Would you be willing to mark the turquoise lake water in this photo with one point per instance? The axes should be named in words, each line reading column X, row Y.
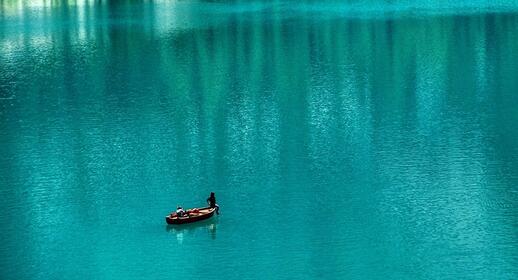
column 355, row 140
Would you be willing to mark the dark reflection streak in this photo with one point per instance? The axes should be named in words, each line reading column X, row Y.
column 200, row 64
column 339, row 57
column 293, row 102
column 72, row 62
column 409, row 102
column 3, row 27
column 26, row 27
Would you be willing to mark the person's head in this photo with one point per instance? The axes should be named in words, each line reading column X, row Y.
column 179, row 207
column 211, row 194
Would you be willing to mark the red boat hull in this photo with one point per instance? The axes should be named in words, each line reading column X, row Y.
column 202, row 214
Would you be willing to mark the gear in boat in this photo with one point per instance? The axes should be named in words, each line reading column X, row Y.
column 190, row 216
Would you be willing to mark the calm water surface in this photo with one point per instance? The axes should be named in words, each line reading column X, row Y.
column 361, row 140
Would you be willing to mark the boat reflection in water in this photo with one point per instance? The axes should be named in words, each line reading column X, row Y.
column 180, row 231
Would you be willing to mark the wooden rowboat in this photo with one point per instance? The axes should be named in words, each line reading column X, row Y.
column 193, row 215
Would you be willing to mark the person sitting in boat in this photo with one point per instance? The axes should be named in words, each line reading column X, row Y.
column 180, row 212
column 212, row 202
